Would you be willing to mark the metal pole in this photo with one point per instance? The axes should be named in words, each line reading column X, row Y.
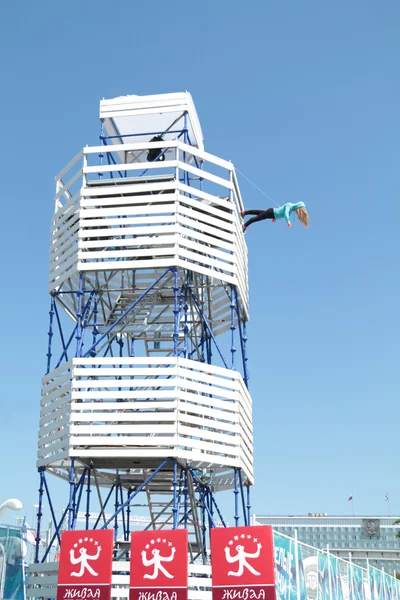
column 88, row 491
column 248, row 505
column 50, row 334
column 185, row 496
column 71, row 494
column 116, row 506
column 39, row 513
column 236, row 496
column 176, row 312
column 175, row 506
column 79, row 317
column 232, row 306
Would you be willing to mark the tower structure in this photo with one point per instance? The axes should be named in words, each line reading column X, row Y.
column 145, row 406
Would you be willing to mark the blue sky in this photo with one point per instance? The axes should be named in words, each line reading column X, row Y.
column 304, row 98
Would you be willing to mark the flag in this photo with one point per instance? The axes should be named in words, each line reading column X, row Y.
column 27, row 534
column 350, row 498
column 386, row 497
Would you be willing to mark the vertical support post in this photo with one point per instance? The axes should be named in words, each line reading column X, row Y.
column 329, row 572
column 50, row 334
column 95, row 330
column 128, row 517
column 116, row 506
column 175, row 492
column 242, row 497
column 296, row 558
column 71, row 494
column 245, row 357
column 88, row 492
column 232, row 305
column 203, row 521
column 101, row 155
column 132, row 350
column 39, row 513
column 79, row 317
column 236, row 496
column 248, row 505
column 185, row 328
column 176, row 312
column 185, row 496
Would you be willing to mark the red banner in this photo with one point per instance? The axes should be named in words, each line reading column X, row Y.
column 85, row 565
column 242, row 561
column 159, row 565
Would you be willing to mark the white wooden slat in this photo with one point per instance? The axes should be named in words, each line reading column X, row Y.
column 131, row 394
column 190, row 190
column 118, row 230
column 205, row 156
column 134, row 188
column 226, row 183
column 99, row 383
column 206, row 434
column 129, row 147
column 125, row 211
column 217, row 266
column 159, row 408
column 206, row 218
column 202, row 250
column 121, row 453
column 125, row 371
column 210, row 423
column 131, row 429
column 221, row 416
column 68, row 184
column 209, row 240
column 132, row 417
column 86, row 203
column 69, row 165
column 216, row 448
column 129, row 242
column 194, row 386
column 122, row 441
column 190, row 225
column 212, row 403
column 153, row 252
column 166, row 164
column 126, row 264
column 52, row 448
column 213, row 211
column 139, row 232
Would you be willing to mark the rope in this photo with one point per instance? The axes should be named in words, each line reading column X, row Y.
column 256, row 186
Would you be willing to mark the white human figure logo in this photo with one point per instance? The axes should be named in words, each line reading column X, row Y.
column 83, row 560
column 241, row 557
column 156, row 561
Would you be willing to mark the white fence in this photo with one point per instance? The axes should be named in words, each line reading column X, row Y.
column 122, row 408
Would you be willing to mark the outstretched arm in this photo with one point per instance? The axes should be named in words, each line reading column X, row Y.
column 228, row 556
column 96, row 556
column 169, row 557
column 255, row 554
column 72, row 558
column 145, row 560
column 286, row 214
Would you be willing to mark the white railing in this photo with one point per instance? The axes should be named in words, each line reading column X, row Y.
column 106, row 408
column 42, row 581
column 148, row 216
